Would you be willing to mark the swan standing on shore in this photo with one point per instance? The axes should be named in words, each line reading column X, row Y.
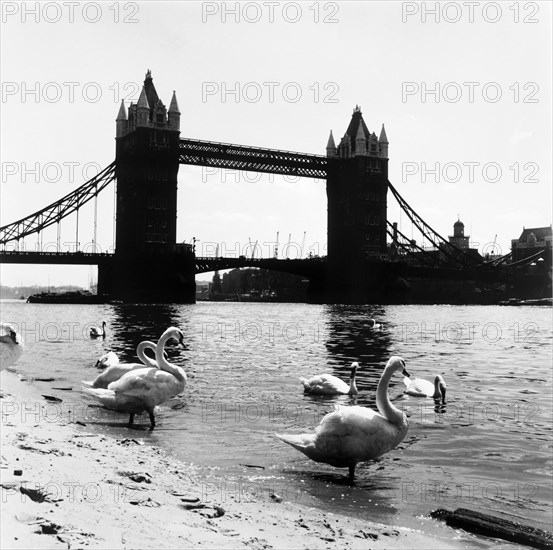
column 11, row 346
column 142, row 389
column 419, row 387
column 327, row 384
column 116, row 371
column 96, row 332
column 355, row 434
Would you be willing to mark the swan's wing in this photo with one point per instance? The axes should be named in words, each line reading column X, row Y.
column 149, row 383
column 354, row 434
column 349, row 421
column 113, row 373
column 11, row 346
column 420, row 387
column 326, row 383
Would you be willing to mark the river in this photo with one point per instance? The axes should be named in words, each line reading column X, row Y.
column 488, row 449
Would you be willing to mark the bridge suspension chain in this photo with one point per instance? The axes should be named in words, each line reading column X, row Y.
column 63, row 207
column 455, row 254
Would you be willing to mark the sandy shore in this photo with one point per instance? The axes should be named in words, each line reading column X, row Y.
column 64, row 488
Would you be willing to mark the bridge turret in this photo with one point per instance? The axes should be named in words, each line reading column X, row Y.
column 121, row 121
column 174, row 113
column 142, row 109
column 383, row 143
column 360, row 142
column 331, row 146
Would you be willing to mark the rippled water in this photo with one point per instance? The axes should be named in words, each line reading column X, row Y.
column 488, row 449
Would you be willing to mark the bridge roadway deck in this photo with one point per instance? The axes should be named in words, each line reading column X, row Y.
column 307, row 268
column 59, row 258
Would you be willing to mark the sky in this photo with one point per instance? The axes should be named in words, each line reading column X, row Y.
column 464, row 92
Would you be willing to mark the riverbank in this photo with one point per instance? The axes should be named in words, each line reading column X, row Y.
column 64, row 487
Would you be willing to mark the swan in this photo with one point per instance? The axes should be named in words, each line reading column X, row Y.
column 419, row 387
column 142, row 389
column 109, row 359
column 327, row 384
column 374, row 325
column 355, row 434
column 96, row 332
column 11, row 345
column 116, row 371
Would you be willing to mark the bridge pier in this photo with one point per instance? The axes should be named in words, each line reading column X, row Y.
column 156, row 278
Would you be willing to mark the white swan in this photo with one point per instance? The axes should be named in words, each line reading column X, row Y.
column 116, row 371
column 327, row 384
column 374, row 325
column 142, row 389
column 11, row 345
column 109, row 359
column 354, row 434
column 419, row 387
column 96, row 332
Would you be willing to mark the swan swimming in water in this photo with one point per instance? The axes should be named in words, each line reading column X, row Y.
column 96, row 332
column 11, row 346
column 142, row 389
column 419, row 387
column 116, row 371
column 355, row 434
column 327, row 384
column 109, row 359
column 374, row 325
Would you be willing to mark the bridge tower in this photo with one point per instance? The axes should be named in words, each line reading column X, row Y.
column 149, row 265
column 357, row 186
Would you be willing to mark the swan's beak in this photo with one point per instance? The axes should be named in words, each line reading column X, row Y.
column 405, row 373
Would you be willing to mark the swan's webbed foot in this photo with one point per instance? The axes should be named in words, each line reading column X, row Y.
column 131, row 419
column 152, row 421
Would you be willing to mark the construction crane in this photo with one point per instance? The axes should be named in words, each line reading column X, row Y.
column 276, row 247
column 288, row 245
column 302, row 244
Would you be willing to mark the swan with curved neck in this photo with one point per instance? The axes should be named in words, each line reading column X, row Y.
column 355, row 434
column 96, row 332
column 117, row 370
column 419, row 387
column 11, row 346
column 327, row 384
column 142, row 389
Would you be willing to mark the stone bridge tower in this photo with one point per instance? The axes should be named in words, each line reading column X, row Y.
column 357, row 187
column 149, row 266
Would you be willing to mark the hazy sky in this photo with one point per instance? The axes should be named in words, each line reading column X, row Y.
column 465, row 94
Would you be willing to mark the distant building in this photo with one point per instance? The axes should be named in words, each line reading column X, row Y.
column 458, row 239
column 531, row 241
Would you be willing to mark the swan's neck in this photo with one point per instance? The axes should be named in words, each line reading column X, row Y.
column 163, row 364
column 387, row 410
column 352, row 385
column 140, row 351
column 437, row 390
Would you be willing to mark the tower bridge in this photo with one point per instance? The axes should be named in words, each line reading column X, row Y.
column 149, row 265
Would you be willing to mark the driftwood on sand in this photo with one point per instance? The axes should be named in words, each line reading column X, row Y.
column 492, row 526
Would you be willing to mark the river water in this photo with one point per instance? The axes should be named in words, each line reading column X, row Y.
column 488, row 449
